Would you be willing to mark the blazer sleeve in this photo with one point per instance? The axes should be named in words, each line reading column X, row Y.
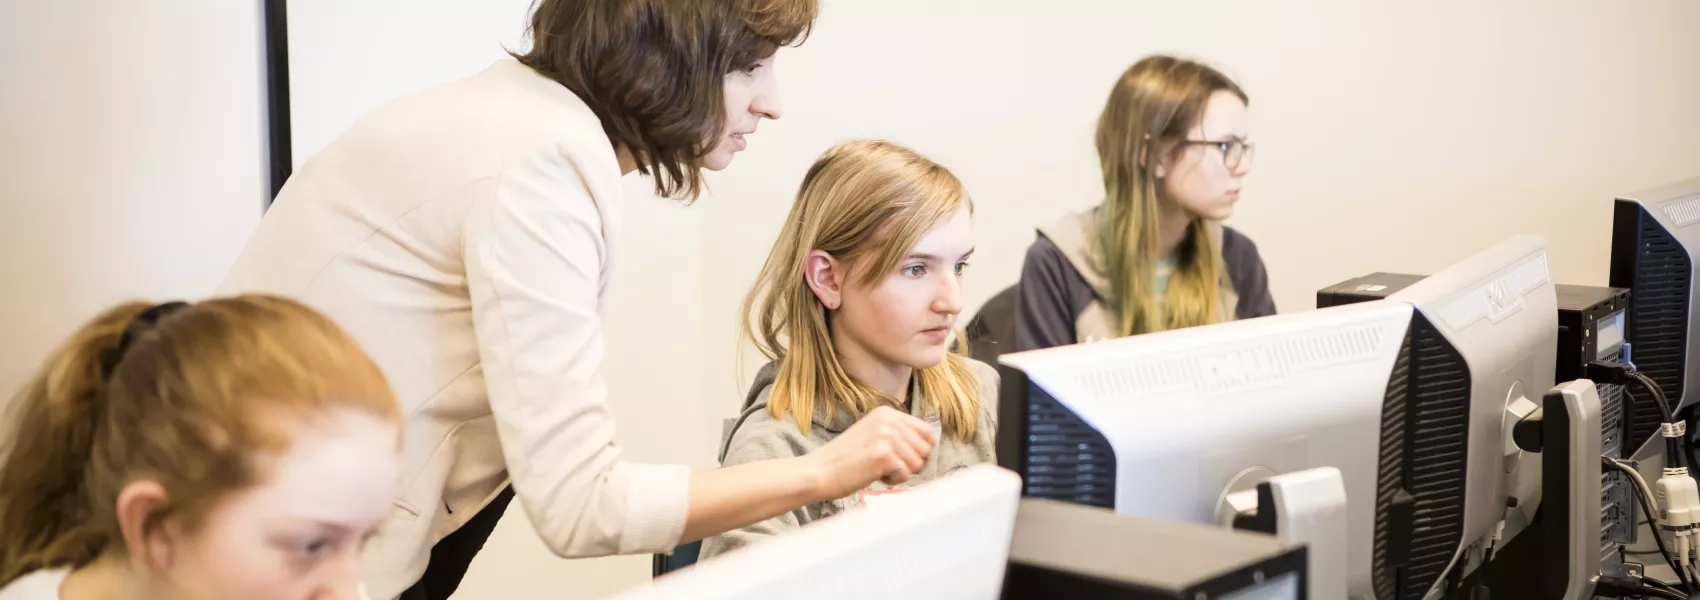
column 534, row 254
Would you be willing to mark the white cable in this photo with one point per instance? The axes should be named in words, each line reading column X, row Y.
column 1681, row 538
column 1681, row 511
column 1654, row 520
column 1640, row 482
column 1680, row 548
column 1657, row 518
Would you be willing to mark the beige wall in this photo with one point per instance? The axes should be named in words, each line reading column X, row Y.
column 1393, row 136
column 131, row 159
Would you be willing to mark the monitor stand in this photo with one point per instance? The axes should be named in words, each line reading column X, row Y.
column 1566, row 431
column 1306, row 507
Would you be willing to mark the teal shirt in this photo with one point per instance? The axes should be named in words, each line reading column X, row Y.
column 1164, row 268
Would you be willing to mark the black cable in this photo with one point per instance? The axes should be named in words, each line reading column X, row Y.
column 1660, row 584
column 1661, row 593
column 1658, row 394
column 1481, row 573
column 1647, row 507
column 1613, row 373
column 1675, row 447
column 1633, row 587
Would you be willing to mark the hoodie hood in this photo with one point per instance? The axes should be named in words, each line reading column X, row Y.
column 1080, row 239
column 1077, row 236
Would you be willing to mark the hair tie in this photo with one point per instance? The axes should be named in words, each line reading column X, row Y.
column 134, row 331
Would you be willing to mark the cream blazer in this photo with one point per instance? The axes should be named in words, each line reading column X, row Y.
column 465, row 235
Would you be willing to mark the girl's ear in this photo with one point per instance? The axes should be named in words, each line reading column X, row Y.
column 1144, row 155
column 145, row 540
column 825, row 278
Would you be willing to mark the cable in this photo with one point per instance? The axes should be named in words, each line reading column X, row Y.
column 1640, row 484
column 1682, row 554
column 1624, row 370
column 1674, row 446
column 1663, row 593
column 1646, row 500
column 1678, row 446
column 1634, row 587
column 1481, row 573
column 1658, row 537
column 1658, row 394
column 1660, row 584
column 1623, row 373
column 1479, row 590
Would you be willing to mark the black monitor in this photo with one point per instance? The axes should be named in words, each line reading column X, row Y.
column 1654, row 241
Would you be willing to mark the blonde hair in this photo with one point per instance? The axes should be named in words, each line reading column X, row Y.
column 866, row 203
column 1154, row 104
column 186, row 395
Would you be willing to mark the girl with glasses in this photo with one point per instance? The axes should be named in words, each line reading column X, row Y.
column 1174, row 150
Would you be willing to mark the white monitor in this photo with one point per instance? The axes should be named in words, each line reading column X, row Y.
column 1406, row 397
column 1165, row 425
column 948, row 540
column 1494, row 311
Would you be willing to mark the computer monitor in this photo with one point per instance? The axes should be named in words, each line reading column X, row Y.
column 1590, row 329
column 1654, row 243
column 1166, row 425
column 948, row 539
column 1495, row 312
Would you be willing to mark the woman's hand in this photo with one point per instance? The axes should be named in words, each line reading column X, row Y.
column 884, row 445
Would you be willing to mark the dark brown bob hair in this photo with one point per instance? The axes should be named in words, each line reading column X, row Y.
column 654, row 71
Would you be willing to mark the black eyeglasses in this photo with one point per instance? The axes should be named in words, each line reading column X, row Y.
column 1235, row 153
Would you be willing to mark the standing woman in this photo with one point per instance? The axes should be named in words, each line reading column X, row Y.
column 1174, row 151
column 466, row 236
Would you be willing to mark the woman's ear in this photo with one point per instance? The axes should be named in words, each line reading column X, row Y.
column 1161, row 169
column 825, row 278
column 145, row 539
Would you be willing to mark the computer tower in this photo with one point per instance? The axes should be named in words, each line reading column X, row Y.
column 1591, row 325
column 1065, row 550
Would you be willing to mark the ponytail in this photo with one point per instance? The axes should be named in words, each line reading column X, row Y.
column 184, row 396
column 44, row 508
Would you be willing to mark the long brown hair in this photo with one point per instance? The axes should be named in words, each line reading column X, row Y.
column 185, row 395
column 1144, row 122
column 866, row 203
column 654, row 71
